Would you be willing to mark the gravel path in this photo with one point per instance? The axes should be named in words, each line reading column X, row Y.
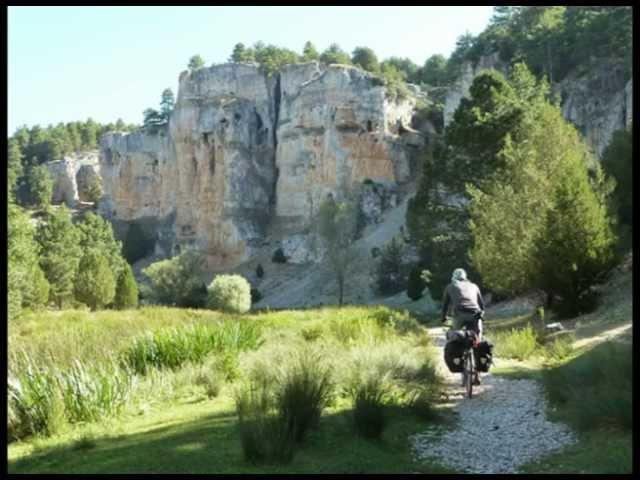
column 501, row 428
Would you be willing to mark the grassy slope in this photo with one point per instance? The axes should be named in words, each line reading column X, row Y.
column 192, row 433
column 603, row 450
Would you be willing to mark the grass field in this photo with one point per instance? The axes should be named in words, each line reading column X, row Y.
column 168, row 422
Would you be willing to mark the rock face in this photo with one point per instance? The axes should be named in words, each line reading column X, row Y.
column 246, row 155
column 72, row 175
column 598, row 103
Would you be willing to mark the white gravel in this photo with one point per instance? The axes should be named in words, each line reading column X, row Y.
column 501, row 428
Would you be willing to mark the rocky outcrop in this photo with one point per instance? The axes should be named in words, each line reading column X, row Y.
column 246, row 156
column 71, row 177
column 460, row 88
column 598, row 102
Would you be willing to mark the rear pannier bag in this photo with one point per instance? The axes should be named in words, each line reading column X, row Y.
column 453, row 351
column 483, row 356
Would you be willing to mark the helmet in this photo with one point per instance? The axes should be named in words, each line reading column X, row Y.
column 458, row 275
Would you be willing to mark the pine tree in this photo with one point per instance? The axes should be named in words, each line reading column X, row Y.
column 40, row 186
column 126, row 290
column 59, row 243
column 365, row 58
column 14, row 168
column 309, row 52
column 167, row 104
column 195, row 63
column 94, row 232
column 95, row 284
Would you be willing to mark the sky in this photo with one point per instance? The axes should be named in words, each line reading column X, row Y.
column 72, row 63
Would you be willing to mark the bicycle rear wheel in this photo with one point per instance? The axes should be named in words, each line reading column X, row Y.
column 468, row 373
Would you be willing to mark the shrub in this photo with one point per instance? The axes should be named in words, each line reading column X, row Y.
column 256, row 296
column 279, row 256
column 415, row 284
column 126, row 290
column 210, row 380
column 229, row 293
column 517, row 343
column 178, row 281
column 303, row 392
column 560, row 348
column 260, row 271
column 312, row 333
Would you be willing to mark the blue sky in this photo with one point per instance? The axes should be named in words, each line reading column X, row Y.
column 71, row 63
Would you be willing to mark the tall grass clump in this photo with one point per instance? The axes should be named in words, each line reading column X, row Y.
column 595, row 388
column 559, row 348
column 265, row 436
column 303, row 391
column 517, row 343
column 173, row 347
column 89, row 394
column 34, row 403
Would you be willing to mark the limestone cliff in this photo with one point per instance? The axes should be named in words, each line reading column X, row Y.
column 598, row 102
column 72, row 176
column 246, row 156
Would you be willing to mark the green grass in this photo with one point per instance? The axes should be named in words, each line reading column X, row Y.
column 183, row 419
column 203, row 438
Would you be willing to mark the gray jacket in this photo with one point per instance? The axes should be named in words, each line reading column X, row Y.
column 462, row 296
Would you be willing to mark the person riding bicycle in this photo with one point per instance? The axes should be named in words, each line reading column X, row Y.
column 464, row 298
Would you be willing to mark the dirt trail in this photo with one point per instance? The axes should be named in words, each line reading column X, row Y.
column 501, row 428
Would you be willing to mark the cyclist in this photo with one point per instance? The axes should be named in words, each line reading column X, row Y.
column 464, row 298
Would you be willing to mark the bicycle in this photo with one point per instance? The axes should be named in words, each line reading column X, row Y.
column 469, row 372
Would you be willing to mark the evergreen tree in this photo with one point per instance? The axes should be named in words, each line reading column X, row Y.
column 14, row 167
column 40, row 186
column 309, row 52
column 391, row 269
column 195, row 63
column 95, row 284
column 126, row 289
column 241, row 54
column 434, row 71
column 177, row 281
column 365, row 58
column 334, row 54
column 167, row 104
column 96, row 233
column 59, row 243
column 616, row 161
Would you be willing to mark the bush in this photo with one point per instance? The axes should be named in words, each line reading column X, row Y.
column 256, row 296
column 279, row 256
column 415, row 284
column 259, row 271
column 126, row 290
column 178, row 281
column 560, row 348
column 517, row 343
column 229, row 293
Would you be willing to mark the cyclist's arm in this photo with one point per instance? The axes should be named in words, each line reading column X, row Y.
column 445, row 304
column 480, row 300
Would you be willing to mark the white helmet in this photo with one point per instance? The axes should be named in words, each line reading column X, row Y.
column 458, row 275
